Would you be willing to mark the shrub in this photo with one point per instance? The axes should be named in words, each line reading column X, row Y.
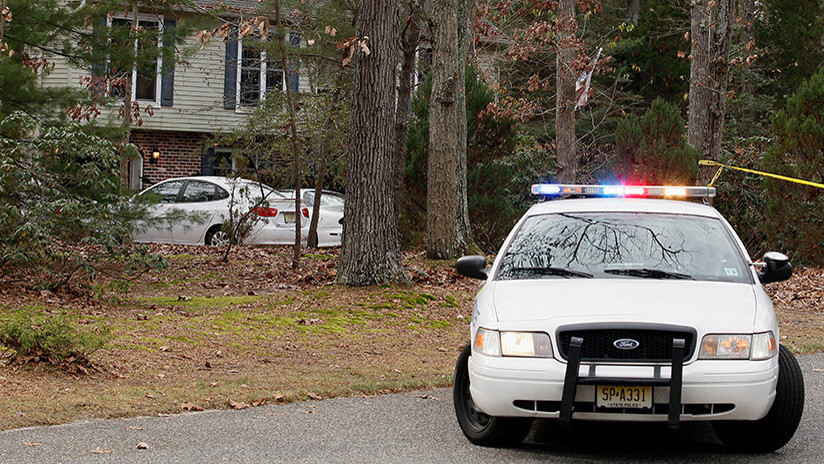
column 795, row 212
column 62, row 210
column 652, row 149
column 52, row 337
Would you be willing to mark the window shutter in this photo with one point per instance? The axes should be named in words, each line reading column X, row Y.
column 99, row 63
column 230, row 82
column 207, row 162
column 167, row 81
column 294, row 39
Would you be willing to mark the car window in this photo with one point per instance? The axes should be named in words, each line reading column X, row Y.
column 326, row 199
column 198, row 191
column 220, row 193
column 167, row 191
column 624, row 245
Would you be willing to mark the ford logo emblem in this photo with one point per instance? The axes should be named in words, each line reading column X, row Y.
column 626, row 344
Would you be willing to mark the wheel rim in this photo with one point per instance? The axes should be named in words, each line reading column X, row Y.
column 219, row 238
column 473, row 418
column 477, row 419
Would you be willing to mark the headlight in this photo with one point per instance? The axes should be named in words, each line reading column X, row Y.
column 525, row 344
column 725, row 347
column 764, row 346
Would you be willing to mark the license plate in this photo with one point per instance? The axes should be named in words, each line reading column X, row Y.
column 289, row 218
column 613, row 396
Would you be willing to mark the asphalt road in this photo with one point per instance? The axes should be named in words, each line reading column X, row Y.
column 418, row 427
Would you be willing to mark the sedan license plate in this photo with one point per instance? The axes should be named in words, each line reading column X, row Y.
column 289, row 218
column 614, row 396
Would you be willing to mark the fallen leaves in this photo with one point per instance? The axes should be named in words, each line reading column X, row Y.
column 31, row 444
column 142, row 445
column 190, row 407
column 100, row 450
column 238, row 404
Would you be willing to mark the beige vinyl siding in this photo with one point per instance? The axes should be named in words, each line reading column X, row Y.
column 198, row 93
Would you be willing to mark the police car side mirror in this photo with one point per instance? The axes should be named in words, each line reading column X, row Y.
column 472, row 266
column 776, row 268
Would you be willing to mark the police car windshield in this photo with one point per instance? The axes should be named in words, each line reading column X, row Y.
column 616, row 245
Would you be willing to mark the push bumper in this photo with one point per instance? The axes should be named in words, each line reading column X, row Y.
column 709, row 389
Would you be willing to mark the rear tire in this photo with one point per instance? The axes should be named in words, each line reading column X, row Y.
column 479, row 428
column 216, row 236
column 778, row 427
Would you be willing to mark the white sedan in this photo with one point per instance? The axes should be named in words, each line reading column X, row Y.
column 192, row 210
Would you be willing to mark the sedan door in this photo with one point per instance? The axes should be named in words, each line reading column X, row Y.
column 200, row 202
column 157, row 229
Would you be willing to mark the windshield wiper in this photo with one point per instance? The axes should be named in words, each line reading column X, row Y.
column 551, row 271
column 648, row 273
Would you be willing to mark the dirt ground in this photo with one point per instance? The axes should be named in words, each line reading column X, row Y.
column 203, row 334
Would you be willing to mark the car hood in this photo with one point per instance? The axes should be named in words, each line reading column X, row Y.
column 726, row 306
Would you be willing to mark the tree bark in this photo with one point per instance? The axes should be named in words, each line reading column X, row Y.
column 371, row 247
column 290, row 101
column 410, row 39
column 447, row 218
column 565, row 139
column 632, row 12
column 126, row 125
column 711, row 28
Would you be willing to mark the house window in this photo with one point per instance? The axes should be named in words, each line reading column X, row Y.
column 144, row 74
column 258, row 75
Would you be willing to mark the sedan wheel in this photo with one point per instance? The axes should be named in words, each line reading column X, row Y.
column 217, row 237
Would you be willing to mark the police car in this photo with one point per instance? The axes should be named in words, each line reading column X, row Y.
column 626, row 303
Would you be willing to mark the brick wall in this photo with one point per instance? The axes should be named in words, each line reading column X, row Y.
column 180, row 153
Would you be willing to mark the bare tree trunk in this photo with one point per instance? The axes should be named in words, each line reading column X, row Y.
column 127, row 115
column 410, row 38
column 632, row 12
column 447, row 222
column 2, row 20
column 281, row 38
column 565, row 139
column 371, row 247
column 711, row 28
column 324, row 160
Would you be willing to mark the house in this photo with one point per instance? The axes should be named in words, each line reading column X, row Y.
column 212, row 95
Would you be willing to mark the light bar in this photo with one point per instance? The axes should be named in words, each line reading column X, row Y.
column 647, row 191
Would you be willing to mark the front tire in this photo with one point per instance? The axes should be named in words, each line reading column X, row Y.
column 479, row 428
column 778, row 427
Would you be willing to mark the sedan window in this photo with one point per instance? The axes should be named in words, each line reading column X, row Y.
column 167, row 191
column 199, row 191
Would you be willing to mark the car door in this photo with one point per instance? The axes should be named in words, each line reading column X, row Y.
column 157, row 229
column 199, row 202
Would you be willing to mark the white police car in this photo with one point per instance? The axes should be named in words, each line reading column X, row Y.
column 623, row 304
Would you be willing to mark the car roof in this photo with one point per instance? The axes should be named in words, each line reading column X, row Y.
column 633, row 205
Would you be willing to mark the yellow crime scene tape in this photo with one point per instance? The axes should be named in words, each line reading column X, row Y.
column 752, row 171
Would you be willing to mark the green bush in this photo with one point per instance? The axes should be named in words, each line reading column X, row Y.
column 653, row 149
column 795, row 212
column 63, row 214
column 54, row 337
column 740, row 196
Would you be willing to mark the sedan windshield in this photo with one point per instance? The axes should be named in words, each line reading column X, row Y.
column 610, row 245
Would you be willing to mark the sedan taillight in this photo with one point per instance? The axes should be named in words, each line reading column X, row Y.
column 266, row 212
column 305, row 212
